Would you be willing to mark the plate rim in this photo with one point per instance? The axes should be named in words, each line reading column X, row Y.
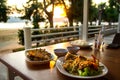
column 59, row 63
column 88, row 44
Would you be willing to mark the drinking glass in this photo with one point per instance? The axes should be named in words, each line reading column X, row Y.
column 98, row 41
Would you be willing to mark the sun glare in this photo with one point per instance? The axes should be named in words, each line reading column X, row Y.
column 59, row 12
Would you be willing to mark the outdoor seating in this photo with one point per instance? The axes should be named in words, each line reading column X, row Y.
column 19, row 65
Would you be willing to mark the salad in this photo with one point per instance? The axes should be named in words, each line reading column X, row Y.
column 81, row 65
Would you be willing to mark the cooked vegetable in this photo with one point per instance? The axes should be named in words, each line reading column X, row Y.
column 38, row 55
column 82, row 66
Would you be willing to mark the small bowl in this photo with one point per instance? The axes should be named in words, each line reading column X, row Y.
column 73, row 49
column 60, row 52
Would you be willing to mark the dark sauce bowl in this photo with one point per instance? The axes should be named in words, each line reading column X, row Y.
column 73, row 49
column 60, row 52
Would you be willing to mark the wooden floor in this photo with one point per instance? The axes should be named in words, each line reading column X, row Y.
column 3, row 68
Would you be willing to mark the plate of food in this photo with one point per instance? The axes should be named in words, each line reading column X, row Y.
column 38, row 56
column 78, row 66
column 81, row 43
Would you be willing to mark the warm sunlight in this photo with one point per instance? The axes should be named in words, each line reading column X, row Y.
column 59, row 12
column 15, row 2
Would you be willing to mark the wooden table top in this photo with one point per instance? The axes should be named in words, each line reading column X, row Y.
column 17, row 62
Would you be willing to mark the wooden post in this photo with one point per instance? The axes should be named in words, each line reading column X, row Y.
column 27, row 37
column 80, row 31
column 85, row 21
column 103, row 29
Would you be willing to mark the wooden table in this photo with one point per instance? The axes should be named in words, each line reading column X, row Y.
column 17, row 64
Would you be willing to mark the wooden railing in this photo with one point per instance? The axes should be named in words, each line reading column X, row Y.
column 55, row 35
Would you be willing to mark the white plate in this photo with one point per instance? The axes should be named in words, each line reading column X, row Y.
column 63, row 71
column 79, row 43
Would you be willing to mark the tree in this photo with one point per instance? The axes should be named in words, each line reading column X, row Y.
column 75, row 11
column 46, row 4
column 31, row 7
column 3, row 11
column 101, row 12
column 111, row 15
column 93, row 13
column 43, row 7
column 111, row 12
column 33, row 13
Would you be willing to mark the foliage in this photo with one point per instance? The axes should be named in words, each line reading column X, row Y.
column 93, row 13
column 75, row 11
column 42, row 7
column 21, row 37
column 101, row 9
column 3, row 11
column 30, row 7
column 111, row 12
column 33, row 13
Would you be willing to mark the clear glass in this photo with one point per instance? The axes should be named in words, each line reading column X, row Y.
column 98, row 42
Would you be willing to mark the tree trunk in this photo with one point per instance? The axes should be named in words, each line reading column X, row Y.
column 109, row 23
column 70, row 22
column 50, row 18
column 49, row 14
column 70, row 19
column 90, row 22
